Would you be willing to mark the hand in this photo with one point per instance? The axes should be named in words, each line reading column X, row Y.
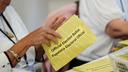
column 35, row 38
column 117, row 28
column 60, row 15
column 42, row 35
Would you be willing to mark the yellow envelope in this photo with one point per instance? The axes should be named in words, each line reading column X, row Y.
column 124, row 42
column 76, row 37
column 103, row 64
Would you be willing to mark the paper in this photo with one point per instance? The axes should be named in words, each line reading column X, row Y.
column 100, row 65
column 124, row 42
column 120, row 60
column 114, row 62
column 76, row 37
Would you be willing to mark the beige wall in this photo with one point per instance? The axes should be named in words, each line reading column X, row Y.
column 33, row 12
column 55, row 4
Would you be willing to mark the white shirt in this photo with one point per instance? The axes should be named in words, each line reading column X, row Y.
column 97, row 14
column 20, row 31
column 123, row 4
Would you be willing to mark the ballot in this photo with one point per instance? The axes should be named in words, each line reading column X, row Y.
column 120, row 60
column 76, row 37
column 114, row 62
column 103, row 64
column 124, row 42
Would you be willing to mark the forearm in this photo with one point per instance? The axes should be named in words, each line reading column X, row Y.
column 34, row 38
column 20, row 49
column 118, row 28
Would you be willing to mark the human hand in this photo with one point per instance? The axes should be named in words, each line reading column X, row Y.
column 35, row 38
column 42, row 35
column 57, row 17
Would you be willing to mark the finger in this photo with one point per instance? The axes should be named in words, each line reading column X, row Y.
column 59, row 22
column 56, row 34
column 49, row 22
column 51, row 38
column 52, row 32
column 52, row 22
column 45, row 41
column 67, row 17
column 52, row 19
column 54, row 16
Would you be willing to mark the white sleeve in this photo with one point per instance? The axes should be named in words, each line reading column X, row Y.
column 16, row 22
column 108, row 11
column 99, row 12
column 4, row 63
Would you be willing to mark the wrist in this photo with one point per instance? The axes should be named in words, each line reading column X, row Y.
column 15, row 55
column 11, row 58
column 21, row 47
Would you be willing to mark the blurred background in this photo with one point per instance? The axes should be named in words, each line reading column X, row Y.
column 34, row 12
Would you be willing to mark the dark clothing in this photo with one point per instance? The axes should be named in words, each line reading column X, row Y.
column 75, row 62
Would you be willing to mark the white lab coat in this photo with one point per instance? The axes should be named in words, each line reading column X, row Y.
column 20, row 31
column 123, row 4
column 97, row 14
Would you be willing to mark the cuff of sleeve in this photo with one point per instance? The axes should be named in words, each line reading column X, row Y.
column 4, row 63
column 8, row 59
